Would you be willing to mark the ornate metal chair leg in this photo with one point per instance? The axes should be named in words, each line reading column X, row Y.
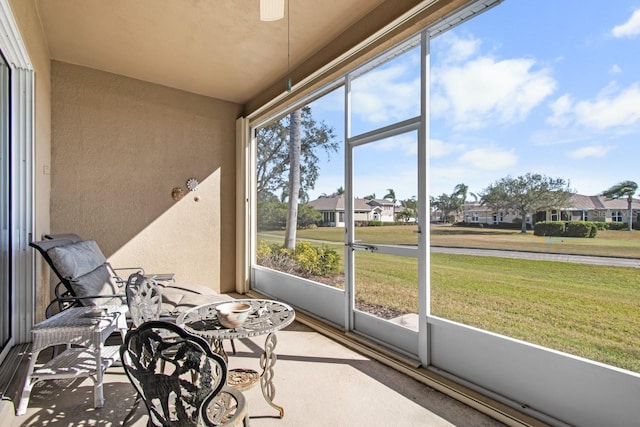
column 233, row 346
column 133, row 410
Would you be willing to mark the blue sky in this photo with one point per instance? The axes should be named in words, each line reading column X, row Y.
column 541, row 86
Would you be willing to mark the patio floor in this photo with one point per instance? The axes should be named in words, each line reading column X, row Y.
column 319, row 382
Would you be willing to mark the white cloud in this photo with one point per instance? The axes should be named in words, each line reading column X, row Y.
column 612, row 107
column 561, row 108
column 439, row 148
column 631, row 28
column 484, row 92
column 615, row 69
column 406, row 144
column 619, row 108
column 592, row 151
column 387, row 94
column 489, row 159
column 459, row 49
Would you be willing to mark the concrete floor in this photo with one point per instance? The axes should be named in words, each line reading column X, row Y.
column 318, row 381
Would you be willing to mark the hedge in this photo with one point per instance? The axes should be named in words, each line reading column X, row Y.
column 586, row 229
column 549, row 228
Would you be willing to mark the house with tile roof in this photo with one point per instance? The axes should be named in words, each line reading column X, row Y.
column 332, row 209
column 579, row 208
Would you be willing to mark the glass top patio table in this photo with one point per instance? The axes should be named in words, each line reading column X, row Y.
column 266, row 317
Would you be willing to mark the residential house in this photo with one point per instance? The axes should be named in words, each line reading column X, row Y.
column 579, row 208
column 592, row 208
column 332, row 209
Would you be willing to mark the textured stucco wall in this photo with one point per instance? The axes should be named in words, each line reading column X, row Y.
column 26, row 16
column 119, row 146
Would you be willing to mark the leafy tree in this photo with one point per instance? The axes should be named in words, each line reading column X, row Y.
column 409, row 210
column 273, row 215
column 272, row 163
column 447, row 204
column 339, row 192
column 624, row 189
column 526, row 194
column 450, row 203
column 287, row 161
column 307, row 216
column 370, row 196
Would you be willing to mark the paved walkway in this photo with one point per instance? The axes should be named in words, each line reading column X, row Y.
column 542, row 256
column 537, row 256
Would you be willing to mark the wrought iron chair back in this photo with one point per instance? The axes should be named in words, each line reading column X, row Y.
column 182, row 382
column 143, row 298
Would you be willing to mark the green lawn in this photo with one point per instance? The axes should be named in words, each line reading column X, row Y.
column 589, row 311
column 606, row 243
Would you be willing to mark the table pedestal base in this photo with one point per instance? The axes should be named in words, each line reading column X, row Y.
column 244, row 379
column 267, row 362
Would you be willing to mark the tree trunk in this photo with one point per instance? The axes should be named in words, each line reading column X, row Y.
column 630, row 210
column 523, row 228
column 295, row 119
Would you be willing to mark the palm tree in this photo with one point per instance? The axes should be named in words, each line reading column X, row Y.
column 621, row 190
column 391, row 195
column 460, row 192
column 295, row 147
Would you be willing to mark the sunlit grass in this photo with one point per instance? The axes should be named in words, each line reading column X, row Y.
column 588, row 311
column 607, row 243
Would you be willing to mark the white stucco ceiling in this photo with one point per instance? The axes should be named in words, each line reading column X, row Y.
column 218, row 48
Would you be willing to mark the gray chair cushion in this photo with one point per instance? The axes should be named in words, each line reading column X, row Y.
column 96, row 282
column 76, row 259
column 84, row 265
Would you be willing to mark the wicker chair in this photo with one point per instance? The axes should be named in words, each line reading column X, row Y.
column 182, row 382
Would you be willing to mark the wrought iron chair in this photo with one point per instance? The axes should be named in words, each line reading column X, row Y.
column 182, row 382
column 144, row 299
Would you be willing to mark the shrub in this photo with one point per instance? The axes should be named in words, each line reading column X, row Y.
column 617, row 226
column 316, row 261
column 276, row 257
column 305, row 261
column 580, row 229
column 600, row 225
column 549, row 228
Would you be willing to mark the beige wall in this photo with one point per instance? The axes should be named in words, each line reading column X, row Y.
column 26, row 17
column 119, row 147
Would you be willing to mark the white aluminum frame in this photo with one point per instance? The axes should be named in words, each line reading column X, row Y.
column 22, row 176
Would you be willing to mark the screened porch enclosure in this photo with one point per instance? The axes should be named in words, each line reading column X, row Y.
column 445, row 312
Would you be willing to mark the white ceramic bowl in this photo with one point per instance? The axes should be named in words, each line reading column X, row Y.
column 233, row 314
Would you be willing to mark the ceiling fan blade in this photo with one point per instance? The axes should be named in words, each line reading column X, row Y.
column 271, row 10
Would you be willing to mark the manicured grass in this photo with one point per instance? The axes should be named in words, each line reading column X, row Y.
column 588, row 311
column 606, row 243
